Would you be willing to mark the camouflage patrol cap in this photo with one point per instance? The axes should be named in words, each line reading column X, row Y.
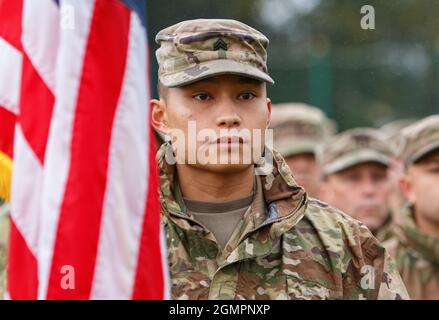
column 299, row 128
column 353, row 147
column 197, row 49
column 419, row 139
column 392, row 131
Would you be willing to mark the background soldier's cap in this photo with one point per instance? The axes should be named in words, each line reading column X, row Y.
column 197, row 49
column 419, row 139
column 299, row 128
column 392, row 131
column 353, row 147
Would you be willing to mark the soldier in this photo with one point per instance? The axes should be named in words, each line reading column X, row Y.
column 297, row 130
column 355, row 167
column 415, row 245
column 392, row 131
column 231, row 233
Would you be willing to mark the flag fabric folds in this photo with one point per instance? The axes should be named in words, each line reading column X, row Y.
column 85, row 215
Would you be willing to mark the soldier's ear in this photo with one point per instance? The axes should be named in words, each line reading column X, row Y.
column 326, row 191
column 406, row 185
column 159, row 118
column 269, row 112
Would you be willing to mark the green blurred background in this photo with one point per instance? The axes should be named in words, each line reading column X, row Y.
column 319, row 54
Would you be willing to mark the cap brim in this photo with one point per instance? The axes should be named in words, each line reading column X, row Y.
column 213, row 68
column 295, row 148
column 422, row 152
column 355, row 159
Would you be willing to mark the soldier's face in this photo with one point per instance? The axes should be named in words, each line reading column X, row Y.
column 396, row 198
column 361, row 191
column 420, row 185
column 305, row 171
column 229, row 106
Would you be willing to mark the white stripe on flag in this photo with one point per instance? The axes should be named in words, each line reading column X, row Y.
column 127, row 177
column 26, row 195
column 10, row 64
column 40, row 37
column 57, row 162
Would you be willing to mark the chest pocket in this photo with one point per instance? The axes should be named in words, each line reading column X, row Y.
column 298, row 289
column 189, row 285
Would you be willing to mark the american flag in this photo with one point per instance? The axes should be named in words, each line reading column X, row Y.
column 74, row 85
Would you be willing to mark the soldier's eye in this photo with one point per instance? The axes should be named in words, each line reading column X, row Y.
column 246, row 96
column 434, row 169
column 353, row 178
column 379, row 177
column 202, row 96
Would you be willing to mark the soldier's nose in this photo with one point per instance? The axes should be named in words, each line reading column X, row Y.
column 230, row 120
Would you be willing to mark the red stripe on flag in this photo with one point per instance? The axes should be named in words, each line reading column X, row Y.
column 10, row 18
column 7, row 127
column 81, row 210
column 149, row 281
column 22, row 268
column 36, row 107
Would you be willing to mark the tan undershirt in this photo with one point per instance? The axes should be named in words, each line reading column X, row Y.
column 219, row 218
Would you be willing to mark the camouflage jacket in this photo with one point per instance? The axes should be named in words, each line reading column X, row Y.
column 295, row 248
column 416, row 256
column 386, row 230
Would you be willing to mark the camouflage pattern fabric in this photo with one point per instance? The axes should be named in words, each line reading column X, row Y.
column 419, row 139
column 385, row 232
column 294, row 248
column 353, row 147
column 196, row 49
column 416, row 256
column 299, row 128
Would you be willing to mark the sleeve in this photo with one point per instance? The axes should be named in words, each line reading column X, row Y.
column 371, row 273
column 391, row 286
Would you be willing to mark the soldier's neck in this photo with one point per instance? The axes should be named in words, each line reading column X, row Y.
column 427, row 226
column 210, row 186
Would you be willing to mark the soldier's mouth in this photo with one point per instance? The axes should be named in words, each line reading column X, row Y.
column 232, row 140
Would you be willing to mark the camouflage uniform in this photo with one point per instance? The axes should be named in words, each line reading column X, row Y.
column 386, row 231
column 353, row 147
column 293, row 248
column 417, row 257
column 299, row 128
column 290, row 247
column 416, row 253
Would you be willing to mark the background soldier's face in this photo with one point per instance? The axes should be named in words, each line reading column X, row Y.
column 361, row 191
column 221, row 102
column 305, row 171
column 420, row 185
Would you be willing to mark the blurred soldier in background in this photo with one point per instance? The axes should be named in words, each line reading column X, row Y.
column 298, row 129
column 392, row 132
column 354, row 167
column 415, row 246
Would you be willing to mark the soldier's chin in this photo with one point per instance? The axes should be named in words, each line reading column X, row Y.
column 227, row 168
column 373, row 224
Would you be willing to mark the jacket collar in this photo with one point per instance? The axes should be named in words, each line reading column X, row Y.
column 427, row 245
column 282, row 197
